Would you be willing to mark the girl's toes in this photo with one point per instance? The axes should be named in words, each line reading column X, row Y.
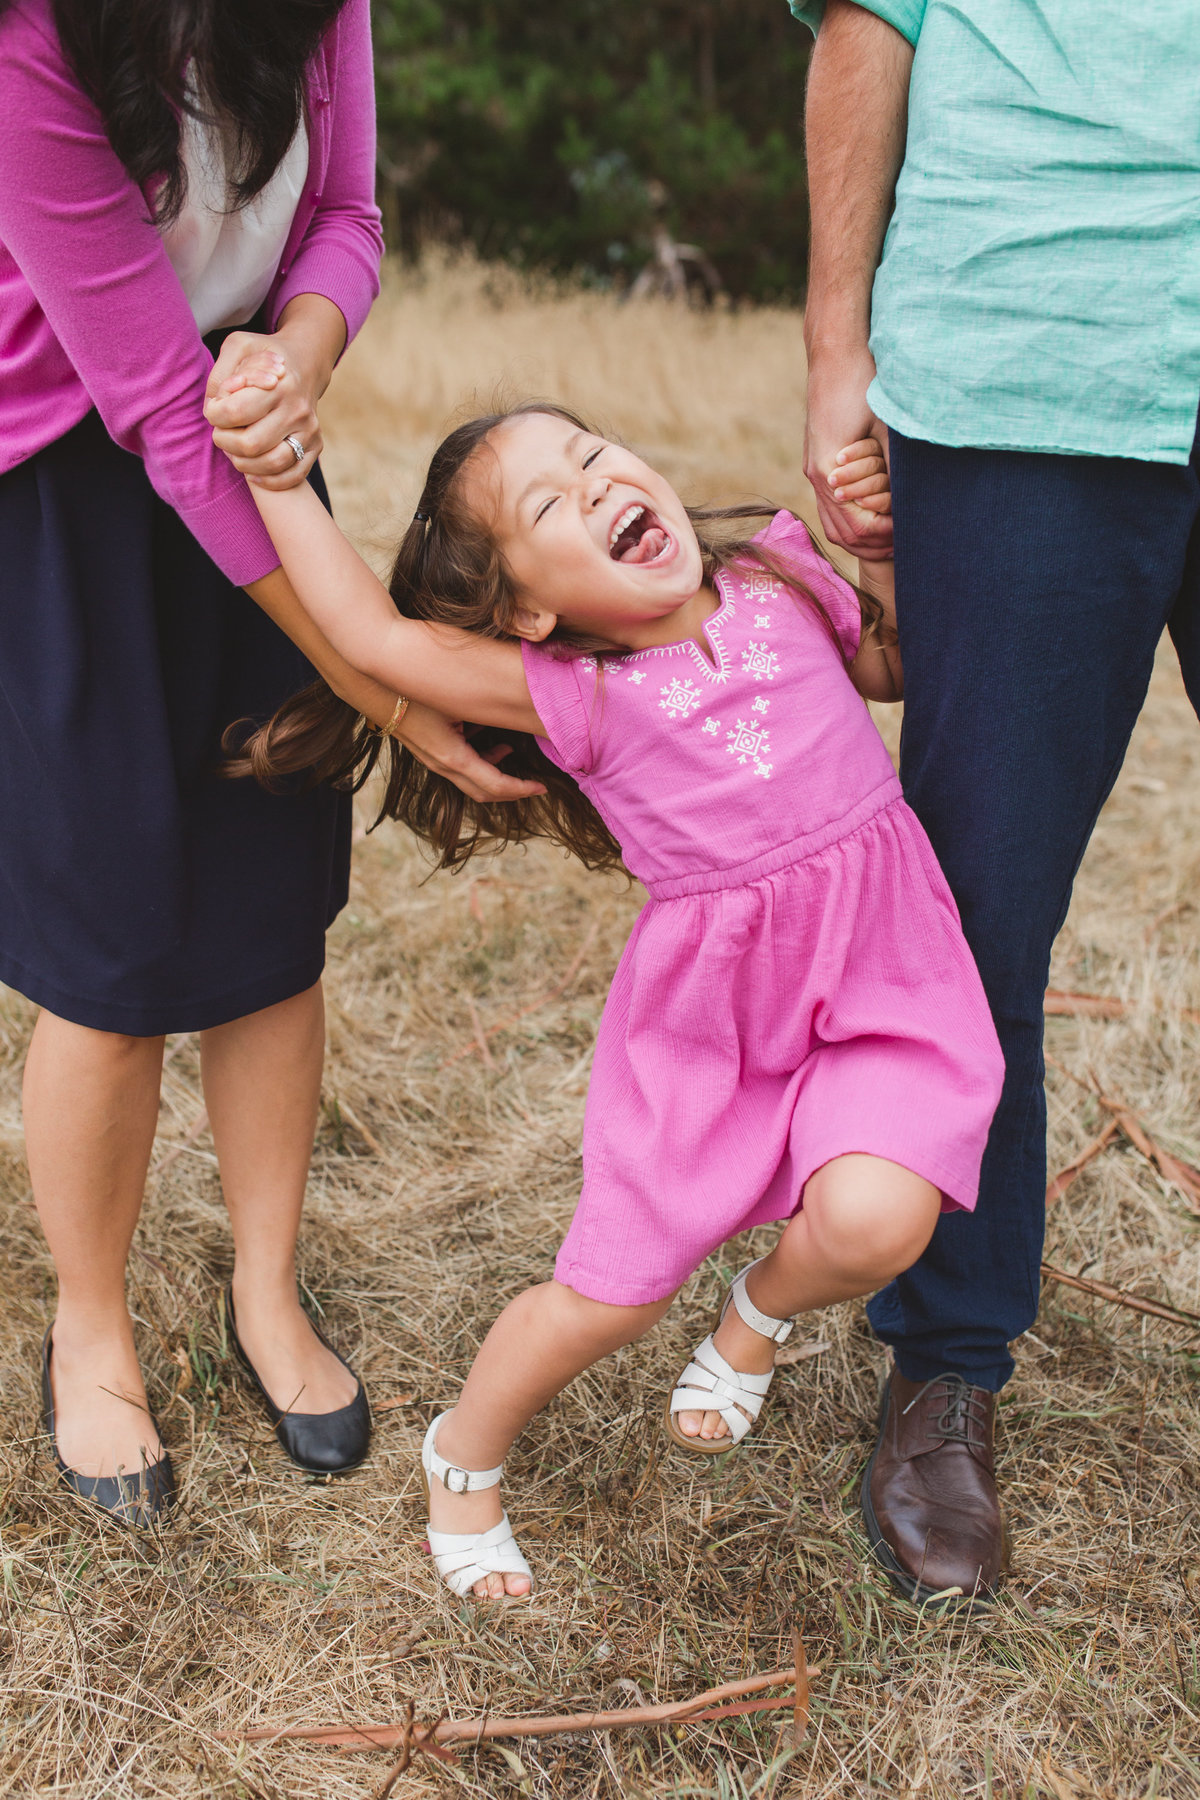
column 689, row 1423
column 714, row 1426
column 516, row 1585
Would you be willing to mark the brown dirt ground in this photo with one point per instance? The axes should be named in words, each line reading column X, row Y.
column 441, row 1183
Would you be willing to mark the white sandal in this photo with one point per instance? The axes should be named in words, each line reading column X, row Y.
column 465, row 1557
column 710, row 1384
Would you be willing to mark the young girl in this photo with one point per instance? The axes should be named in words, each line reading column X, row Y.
column 796, row 1030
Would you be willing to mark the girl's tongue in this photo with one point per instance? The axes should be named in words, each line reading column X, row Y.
column 647, row 544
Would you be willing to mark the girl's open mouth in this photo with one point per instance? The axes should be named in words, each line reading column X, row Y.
column 637, row 536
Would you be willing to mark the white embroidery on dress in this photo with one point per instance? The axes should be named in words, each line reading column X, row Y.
column 761, row 584
column 761, row 704
column 763, row 621
column 750, row 745
column 711, row 726
column 679, row 698
column 758, row 661
column 713, row 628
column 638, row 675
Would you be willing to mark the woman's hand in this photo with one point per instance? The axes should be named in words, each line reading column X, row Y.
column 435, row 740
column 255, row 401
column 264, row 389
column 442, row 746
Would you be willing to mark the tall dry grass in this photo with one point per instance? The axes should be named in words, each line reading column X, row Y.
column 462, row 1014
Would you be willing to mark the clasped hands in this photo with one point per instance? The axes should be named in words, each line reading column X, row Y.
column 261, row 393
column 258, row 398
column 845, row 453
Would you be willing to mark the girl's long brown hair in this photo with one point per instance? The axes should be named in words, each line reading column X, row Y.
column 449, row 569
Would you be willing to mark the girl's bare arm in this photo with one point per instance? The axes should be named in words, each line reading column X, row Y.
column 877, row 671
column 455, row 672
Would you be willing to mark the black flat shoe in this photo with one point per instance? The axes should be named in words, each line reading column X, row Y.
column 139, row 1499
column 323, row 1443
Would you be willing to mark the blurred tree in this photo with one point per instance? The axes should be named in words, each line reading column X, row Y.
column 563, row 136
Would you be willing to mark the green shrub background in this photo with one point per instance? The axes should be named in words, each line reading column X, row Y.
column 555, row 135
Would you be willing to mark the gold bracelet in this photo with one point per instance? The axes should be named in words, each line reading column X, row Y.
column 401, row 708
column 384, row 731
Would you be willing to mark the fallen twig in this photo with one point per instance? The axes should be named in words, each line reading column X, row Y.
column 344, row 1110
column 1061, row 1003
column 479, row 1042
column 410, row 1735
column 428, row 1747
column 1180, row 1174
column 1061, row 1182
column 794, row 1353
column 1156, row 1309
column 800, row 1696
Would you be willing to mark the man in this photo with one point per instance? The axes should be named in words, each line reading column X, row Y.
column 1027, row 340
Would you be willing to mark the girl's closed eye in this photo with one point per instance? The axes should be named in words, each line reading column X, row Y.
column 588, row 460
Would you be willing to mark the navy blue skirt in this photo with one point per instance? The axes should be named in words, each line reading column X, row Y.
column 139, row 890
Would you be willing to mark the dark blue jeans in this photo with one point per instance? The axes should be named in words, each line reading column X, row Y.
column 1031, row 592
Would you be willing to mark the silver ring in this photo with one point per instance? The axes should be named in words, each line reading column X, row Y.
column 296, row 447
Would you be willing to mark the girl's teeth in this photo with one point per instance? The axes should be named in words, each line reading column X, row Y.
column 627, row 518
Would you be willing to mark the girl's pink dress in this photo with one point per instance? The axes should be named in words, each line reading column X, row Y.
column 798, row 986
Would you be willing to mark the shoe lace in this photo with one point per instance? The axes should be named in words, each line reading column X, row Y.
column 963, row 1418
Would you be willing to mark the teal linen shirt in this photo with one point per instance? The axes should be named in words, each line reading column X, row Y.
column 1039, row 287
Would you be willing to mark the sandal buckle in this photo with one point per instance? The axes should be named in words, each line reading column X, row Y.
column 456, row 1481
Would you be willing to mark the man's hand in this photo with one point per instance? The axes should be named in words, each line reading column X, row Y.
column 854, row 504
column 855, row 122
column 442, row 746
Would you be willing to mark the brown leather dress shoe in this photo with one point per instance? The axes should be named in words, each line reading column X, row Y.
column 929, row 1494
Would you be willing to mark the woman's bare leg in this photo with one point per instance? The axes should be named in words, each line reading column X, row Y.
column 262, row 1085
column 91, row 1109
column 864, row 1220
column 542, row 1340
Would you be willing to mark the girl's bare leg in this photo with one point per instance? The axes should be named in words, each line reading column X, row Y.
column 864, row 1220
column 91, row 1109
column 262, row 1084
column 540, row 1343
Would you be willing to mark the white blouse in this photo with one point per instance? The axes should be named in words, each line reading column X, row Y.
column 225, row 260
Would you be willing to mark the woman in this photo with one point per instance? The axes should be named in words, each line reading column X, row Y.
column 167, row 170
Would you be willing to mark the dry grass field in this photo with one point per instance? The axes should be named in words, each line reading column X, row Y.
column 462, row 1015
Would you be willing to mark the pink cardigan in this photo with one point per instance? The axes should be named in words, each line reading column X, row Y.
column 91, row 311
